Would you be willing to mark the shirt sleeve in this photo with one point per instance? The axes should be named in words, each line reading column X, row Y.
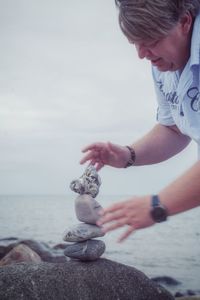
column 164, row 115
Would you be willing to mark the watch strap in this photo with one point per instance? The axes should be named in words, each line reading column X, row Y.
column 155, row 201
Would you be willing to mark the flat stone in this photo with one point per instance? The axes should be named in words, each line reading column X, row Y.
column 86, row 251
column 87, row 209
column 82, row 232
column 20, row 253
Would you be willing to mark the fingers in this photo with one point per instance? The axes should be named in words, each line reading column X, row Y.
column 117, row 216
column 112, row 208
column 99, row 166
column 115, row 225
column 89, row 156
column 93, row 154
column 126, row 234
column 94, row 146
column 109, row 217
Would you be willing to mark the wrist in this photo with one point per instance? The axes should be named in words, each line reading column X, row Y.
column 158, row 212
column 132, row 157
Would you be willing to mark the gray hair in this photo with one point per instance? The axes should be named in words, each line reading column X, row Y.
column 152, row 19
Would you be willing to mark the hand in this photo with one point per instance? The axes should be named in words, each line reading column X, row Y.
column 134, row 212
column 101, row 154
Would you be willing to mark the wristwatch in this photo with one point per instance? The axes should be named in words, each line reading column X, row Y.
column 131, row 161
column 158, row 211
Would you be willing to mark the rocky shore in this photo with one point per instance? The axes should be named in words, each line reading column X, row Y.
column 33, row 270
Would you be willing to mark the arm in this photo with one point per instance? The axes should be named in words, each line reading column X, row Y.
column 184, row 193
column 181, row 195
column 159, row 144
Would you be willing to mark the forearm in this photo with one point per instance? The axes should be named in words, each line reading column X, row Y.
column 184, row 193
column 159, row 144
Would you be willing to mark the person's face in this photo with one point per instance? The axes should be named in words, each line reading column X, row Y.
column 172, row 52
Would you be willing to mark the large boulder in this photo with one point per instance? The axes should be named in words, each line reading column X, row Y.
column 75, row 280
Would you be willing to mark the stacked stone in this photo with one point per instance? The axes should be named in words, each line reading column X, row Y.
column 85, row 247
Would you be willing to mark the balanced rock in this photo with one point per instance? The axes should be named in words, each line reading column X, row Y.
column 86, row 251
column 20, row 253
column 88, row 183
column 75, row 280
column 82, row 232
column 87, row 209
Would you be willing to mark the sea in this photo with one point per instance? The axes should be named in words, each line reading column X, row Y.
column 168, row 249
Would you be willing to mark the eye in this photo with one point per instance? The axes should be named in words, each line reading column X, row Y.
column 152, row 44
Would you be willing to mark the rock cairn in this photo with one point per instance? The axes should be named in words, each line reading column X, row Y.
column 82, row 235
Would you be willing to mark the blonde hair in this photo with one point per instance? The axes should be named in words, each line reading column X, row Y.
column 152, row 19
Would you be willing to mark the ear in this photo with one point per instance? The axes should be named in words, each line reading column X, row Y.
column 186, row 22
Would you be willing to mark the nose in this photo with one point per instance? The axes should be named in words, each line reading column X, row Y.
column 141, row 51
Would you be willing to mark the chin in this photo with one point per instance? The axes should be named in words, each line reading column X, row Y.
column 167, row 67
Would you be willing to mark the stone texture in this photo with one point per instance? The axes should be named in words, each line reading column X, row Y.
column 87, row 209
column 20, row 253
column 7, row 244
column 46, row 253
column 86, row 251
column 75, row 280
column 82, row 232
column 88, row 183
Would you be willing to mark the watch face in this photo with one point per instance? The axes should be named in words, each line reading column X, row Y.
column 159, row 214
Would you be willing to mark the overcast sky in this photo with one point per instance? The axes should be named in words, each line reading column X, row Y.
column 68, row 78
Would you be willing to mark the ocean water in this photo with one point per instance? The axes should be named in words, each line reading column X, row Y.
column 169, row 249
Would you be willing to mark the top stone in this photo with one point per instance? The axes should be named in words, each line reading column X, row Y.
column 88, row 183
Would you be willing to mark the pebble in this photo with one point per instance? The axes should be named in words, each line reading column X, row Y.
column 86, row 251
column 82, row 232
column 87, row 209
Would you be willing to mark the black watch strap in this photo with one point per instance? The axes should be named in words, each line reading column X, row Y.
column 158, row 211
column 155, row 201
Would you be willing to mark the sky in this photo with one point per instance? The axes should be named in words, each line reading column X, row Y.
column 68, row 78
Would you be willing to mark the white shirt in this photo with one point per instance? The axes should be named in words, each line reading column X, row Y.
column 178, row 96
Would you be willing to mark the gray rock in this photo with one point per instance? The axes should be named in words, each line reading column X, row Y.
column 45, row 251
column 7, row 244
column 87, row 209
column 42, row 249
column 20, row 253
column 82, row 232
column 88, row 183
column 86, row 251
column 76, row 280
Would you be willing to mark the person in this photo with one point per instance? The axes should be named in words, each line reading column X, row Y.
column 167, row 33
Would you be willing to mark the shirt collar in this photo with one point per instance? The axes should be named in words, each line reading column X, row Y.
column 195, row 43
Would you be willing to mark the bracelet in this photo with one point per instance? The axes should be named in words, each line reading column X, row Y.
column 132, row 159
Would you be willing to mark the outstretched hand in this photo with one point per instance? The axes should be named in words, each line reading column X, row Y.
column 134, row 212
column 100, row 154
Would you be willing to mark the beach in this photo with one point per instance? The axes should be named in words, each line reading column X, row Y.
column 170, row 249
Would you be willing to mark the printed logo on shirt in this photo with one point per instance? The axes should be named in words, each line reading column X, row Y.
column 194, row 96
column 172, row 98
